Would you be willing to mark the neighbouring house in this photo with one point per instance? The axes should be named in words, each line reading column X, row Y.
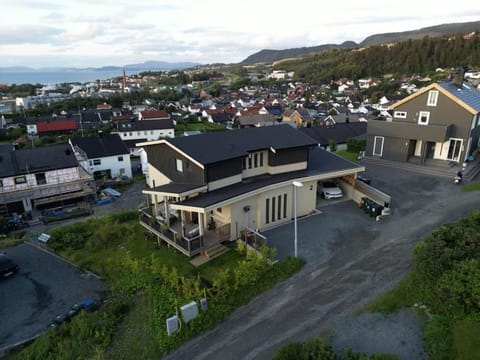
column 300, row 116
column 133, row 132
column 440, row 122
column 257, row 120
column 53, row 127
column 104, row 156
column 153, row 115
column 41, row 178
column 150, row 130
column 338, row 133
column 210, row 188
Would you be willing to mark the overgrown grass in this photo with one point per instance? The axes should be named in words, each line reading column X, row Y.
column 147, row 283
column 471, row 187
column 466, row 339
column 402, row 295
column 351, row 156
column 12, row 239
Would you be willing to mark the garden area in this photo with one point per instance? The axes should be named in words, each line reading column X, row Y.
column 147, row 284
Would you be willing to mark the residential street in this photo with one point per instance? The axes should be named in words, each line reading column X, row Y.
column 358, row 264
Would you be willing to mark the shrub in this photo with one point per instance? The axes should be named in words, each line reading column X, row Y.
column 356, row 145
column 438, row 338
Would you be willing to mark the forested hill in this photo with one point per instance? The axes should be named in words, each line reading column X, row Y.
column 406, row 57
column 270, row 56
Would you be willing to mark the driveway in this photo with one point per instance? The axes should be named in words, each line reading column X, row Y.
column 351, row 259
column 44, row 287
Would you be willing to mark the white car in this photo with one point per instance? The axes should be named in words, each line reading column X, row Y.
column 329, row 190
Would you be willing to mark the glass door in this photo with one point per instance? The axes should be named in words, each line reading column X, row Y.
column 454, row 149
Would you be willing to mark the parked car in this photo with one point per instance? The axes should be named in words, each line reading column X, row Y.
column 7, row 266
column 329, row 190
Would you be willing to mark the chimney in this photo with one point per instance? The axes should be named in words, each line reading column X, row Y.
column 457, row 77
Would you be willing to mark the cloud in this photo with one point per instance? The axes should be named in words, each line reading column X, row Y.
column 79, row 32
column 28, row 34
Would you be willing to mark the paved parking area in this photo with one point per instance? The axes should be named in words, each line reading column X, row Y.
column 335, row 227
column 44, row 287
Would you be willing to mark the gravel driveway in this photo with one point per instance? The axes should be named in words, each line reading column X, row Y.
column 347, row 267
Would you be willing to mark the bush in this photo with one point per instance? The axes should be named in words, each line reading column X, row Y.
column 356, row 145
column 438, row 338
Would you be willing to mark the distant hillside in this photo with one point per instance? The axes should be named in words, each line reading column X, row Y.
column 432, row 31
column 270, row 56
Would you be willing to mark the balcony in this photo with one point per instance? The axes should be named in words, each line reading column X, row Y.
column 191, row 244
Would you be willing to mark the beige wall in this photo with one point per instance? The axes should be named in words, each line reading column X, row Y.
column 224, row 182
column 157, row 176
column 287, row 168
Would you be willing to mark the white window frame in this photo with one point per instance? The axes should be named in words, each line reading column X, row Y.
column 179, row 165
column 120, row 158
column 375, row 145
column 400, row 114
column 432, row 98
column 423, row 114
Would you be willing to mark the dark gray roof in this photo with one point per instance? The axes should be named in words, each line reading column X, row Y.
column 20, row 162
column 217, row 146
column 320, row 162
column 141, row 125
column 101, row 146
column 133, row 143
column 467, row 93
column 338, row 132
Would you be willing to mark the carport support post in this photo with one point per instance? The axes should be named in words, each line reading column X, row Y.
column 295, row 185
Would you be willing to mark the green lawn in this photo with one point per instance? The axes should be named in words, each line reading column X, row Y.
column 466, row 337
column 347, row 155
column 400, row 296
column 471, row 187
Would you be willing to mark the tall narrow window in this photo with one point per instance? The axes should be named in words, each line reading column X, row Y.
column 279, row 207
column 261, row 159
column 267, row 211
column 284, row 206
column 432, row 98
column 179, row 165
column 273, row 209
column 255, row 160
column 249, row 161
column 244, row 163
column 41, row 180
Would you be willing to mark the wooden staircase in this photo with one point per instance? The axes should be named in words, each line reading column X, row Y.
column 209, row 254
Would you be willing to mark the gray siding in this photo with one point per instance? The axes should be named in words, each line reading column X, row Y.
column 289, row 156
column 445, row 113
column 224, row 169
column 163, row 158
column 393, row 148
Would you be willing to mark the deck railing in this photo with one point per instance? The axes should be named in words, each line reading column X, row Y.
column 189, row 246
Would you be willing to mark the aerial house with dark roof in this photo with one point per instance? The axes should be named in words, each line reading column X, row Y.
column 105, row 156
column 41, row 178
column 438, row 124
column 208, row 188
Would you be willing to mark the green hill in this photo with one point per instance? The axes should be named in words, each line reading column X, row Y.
column 269, row 56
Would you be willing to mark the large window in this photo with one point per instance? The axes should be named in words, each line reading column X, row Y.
column 179, row 165
column 432, row 98
column 423, row 117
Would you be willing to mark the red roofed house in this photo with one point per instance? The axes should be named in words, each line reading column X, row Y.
column 56, row 127
column 153, row 115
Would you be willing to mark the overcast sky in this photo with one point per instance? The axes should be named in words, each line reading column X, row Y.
column 85, row 33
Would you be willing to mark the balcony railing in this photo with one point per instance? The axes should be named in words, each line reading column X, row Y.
column 189, row 246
